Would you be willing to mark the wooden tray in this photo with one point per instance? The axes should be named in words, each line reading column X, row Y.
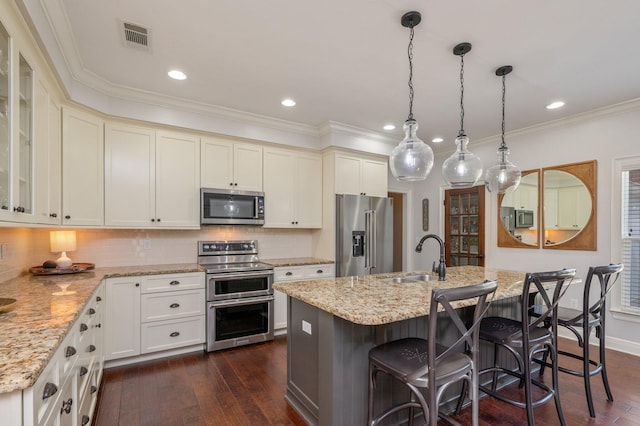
column 73, row 269
column 6, row 304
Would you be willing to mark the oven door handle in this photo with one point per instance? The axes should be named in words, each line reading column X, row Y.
column 238, row 302
column 241, row 275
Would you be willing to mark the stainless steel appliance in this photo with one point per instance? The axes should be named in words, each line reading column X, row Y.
column 524, row 218
column 364, row 235
column 230, row 207
column 508, row 216
column 239, row 294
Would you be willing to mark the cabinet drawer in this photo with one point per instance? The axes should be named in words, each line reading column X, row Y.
column 48, row 383
column 172, row 282
column 288, row 273
column 171, row 305
column 161, row 335
column 320, row 271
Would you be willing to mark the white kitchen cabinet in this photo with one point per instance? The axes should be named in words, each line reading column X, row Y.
column 360, row 175
column 550, row 208
column 293, row 189
column 151, row 178
column 294, row 273
column 48, row 160
column 122, row 317
column 154, row 313
column 82, row 168
column 228, row 164
column 66, row 390
column 16, row 133
column 571, row 211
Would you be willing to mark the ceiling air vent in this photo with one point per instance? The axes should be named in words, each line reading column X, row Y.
column 136, row 36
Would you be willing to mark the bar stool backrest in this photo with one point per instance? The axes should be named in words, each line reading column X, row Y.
column 607, row 277
column 547, row 309
column 443, row 297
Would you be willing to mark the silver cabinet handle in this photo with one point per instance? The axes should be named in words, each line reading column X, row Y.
column 91, row 311
column 91, row 348
column 174, row 334
column 85, row 420
column 83, row 371
column 83, row 327
column 174, row 282
column 174, row 305
column 319, row 271
column 49, row 390
column 66, row 406
column 289, row 274
column 71, row 351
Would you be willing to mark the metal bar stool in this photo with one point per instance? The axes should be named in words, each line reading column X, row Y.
column 524, row 339
column 424, row 364
column 582, row 322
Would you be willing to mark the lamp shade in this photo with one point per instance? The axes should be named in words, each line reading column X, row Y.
column 62, row 241
column 412, row 159
column 463, row 168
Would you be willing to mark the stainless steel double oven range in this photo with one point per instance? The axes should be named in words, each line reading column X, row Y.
column 239, row 294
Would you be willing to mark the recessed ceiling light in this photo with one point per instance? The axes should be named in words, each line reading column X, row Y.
column 389, row 127
column 288, row 102
column 555, row 105
column 177, row 75
column 437, row 140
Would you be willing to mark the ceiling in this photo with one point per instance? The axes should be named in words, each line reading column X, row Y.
column 346, row 61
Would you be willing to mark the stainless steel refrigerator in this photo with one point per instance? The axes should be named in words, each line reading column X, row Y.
column 364, row 235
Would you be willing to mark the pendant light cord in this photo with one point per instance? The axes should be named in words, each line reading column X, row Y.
column 410, row 55
column 461, row 133
column 503, row 145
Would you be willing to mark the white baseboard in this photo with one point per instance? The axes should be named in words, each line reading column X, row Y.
column 613, row 343
column 152, row 356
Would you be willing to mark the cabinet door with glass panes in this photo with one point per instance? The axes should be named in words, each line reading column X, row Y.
column 464, row 226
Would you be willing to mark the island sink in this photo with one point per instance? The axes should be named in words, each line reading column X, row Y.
column 409, row 279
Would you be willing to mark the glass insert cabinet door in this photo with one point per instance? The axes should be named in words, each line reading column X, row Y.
column 464, row 226
column 5, row 151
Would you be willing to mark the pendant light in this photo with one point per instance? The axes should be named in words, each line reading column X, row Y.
column 463, row 168
column 412, row 159
column 503, row 176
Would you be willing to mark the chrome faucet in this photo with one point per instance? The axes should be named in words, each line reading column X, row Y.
column 442, row 268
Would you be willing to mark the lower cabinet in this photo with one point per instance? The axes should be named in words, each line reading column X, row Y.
column 294, row 273
column 153, row 313
column 66, row 393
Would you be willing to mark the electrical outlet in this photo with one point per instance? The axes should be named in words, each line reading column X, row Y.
column 146, row 244
column 573, row 303
column 306, row 327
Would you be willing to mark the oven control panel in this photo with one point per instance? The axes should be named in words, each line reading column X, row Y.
column 227, row 247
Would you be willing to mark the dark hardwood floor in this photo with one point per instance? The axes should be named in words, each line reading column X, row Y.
column 246, row 386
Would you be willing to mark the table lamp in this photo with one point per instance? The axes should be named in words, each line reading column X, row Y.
column 63, row 241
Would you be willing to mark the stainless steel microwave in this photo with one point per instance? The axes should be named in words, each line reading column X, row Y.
column 231, row 207
column 524, row 219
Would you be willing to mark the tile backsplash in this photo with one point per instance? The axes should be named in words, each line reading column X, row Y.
column 27, row 247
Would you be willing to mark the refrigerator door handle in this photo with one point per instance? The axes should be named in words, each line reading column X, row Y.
column 374, row 238
column 367, row 238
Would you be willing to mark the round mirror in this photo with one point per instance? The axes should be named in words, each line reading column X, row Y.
column 519, row 212
column 567, row 207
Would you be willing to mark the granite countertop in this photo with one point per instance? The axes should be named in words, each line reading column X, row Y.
column 33, row 329
column 295, row 261
column 368, row 300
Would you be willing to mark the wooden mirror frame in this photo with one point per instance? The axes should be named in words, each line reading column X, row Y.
column 505, row 239
column 586, row 239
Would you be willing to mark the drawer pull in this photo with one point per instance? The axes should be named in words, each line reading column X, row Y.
column 83, row 327
column 319, row 271
column 71, row 351
column 49, row 390
column 289, row 274
column 98, row 299
column 174, row 305
column 174, row 334
column 83, row 371
column 91, row 348
column 174, row 282
column 93, row 389
column 85, row 419
column 66, row 406
column 91, row 311
column 98, row 325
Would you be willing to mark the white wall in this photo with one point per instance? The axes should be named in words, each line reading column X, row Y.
column 603, row 136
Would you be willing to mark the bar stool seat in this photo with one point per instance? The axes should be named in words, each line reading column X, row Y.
column 424, row 364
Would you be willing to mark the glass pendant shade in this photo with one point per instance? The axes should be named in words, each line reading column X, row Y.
column 463, row 168
column 504, row 176
column 411, row 159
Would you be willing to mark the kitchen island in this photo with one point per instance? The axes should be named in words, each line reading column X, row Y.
column 335, row 321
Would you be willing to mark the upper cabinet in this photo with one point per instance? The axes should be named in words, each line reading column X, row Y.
column 360, row 175
column 16, row 132
column 151, row 178
column 82, row 168
column 227, row 164
column 293, row 189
